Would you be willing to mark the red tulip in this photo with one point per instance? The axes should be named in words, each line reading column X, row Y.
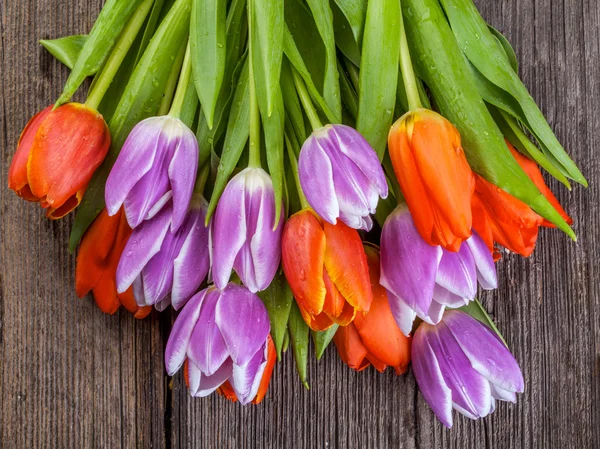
column 97, row 260
column 327, row 270
column 374, row 337
column 57, row 154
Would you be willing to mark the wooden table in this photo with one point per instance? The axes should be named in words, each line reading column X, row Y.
column 73, row 377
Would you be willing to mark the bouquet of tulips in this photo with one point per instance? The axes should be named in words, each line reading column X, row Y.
column 281, row 169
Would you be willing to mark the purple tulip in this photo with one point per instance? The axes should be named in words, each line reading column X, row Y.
column 341, row 176
column 242, row 235
column 158, row 163
column 159, row 262
column 460, row 363
column 223, row 334
column 422, row 280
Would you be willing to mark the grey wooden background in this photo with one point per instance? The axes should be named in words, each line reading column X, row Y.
column 72, row 377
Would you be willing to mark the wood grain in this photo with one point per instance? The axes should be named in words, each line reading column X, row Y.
column 72, row 377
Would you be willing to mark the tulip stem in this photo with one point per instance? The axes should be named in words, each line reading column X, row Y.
column 104, row 79
column 201, row 179
column 408, row 72
column 309, row 108
column 183, row 84
column 294, row 163
column 254, row 156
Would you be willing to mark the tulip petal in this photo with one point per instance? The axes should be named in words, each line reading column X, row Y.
column 182, row 172
column 245, row 379
column 303, row 253
column 408, row 264
column 457, row 273
column 138, row 291
column 403, row 314
column 228, row 231
column 435, row 313
column 350, row 347
column 134, row 161
column 470, row 390
column 503, row 395
column 243, row 321
column 447, row 298
column 145, row 242
column 208, row 384
column 179, row 338
column 68, row 147
column 191, row 265
column 17, row 173
column 378, row 329
column 429, row 377
column 315, row 172
column 360, row 152
column 207, row 347
column 484, row 262
column 485, row 351
column 346, row 265
column 158, row 272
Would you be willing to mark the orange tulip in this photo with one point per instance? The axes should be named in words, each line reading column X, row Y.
column 57, row 154
column 374, row 337
column 434, row 176
column 327, row 270
column 227, row 391
column 97, row 261
column 500, row 217
column 535, row 174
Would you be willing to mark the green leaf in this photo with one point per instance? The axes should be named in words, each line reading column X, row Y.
column 323, row 18
column 268, row 23
column 482, row 48
column 286, row 341
column 98, row 45
column 293, row 55
column 476, row 310
column 516, row 136
column 349, row 96
column 278, row 300
column 299, row 339
column 508, row 50
column 235, row 138
column 208, row 30
column 344, row 36
column 379, row 72
column 65, row 49
column 141, row 99
column 355, row 12
column 441, row 65
column 237, row 27
column 321, row 339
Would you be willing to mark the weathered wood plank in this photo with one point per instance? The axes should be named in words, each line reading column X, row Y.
column 72, row 377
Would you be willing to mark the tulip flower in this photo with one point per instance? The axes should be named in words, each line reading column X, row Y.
column 58, row 152
column 227, row 390
column 434, row 176
column 242, row 234
column 97, row 261
column 500, row 217
column 374, row 337
column 157, row 165
column 341, row 176
column 159, row 262
column 460, row 363
column 327, row 270
column 422, row 280
column 224, row 336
